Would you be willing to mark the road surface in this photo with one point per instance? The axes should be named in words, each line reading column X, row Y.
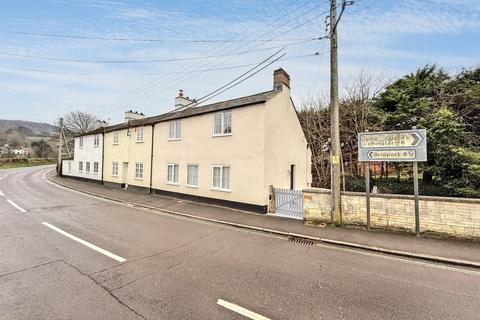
column 65, row 255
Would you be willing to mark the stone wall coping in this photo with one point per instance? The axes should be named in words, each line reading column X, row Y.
column 396, row 196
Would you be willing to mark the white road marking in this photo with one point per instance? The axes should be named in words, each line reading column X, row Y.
column 2, row 194
column 85, row 243
column 16, row 205
column 240, row 310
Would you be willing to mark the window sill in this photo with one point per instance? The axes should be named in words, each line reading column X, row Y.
column 221, row 135
column 191, row 186
column 114, row 175
column 221, row 190
column 174, row 139
column 95, row 146
column 138, row 141
column 115, row 144
column 172, row 183
column 140, row 179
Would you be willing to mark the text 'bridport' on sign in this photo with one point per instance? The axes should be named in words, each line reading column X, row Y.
column 400, row 146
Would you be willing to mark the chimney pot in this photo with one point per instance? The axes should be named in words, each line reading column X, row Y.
column 280, row 78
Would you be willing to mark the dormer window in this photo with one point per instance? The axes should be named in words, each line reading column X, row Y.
column 222, row 123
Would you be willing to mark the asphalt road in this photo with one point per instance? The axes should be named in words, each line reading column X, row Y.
column 177, row 268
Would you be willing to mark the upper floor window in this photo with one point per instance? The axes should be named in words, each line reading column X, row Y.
column 172, row 174
column 221, row 178
column 115, row 137
column 96, row 140
column 175, row 130
column 222, row 123
column 139, row 170
column 139, row 134
column 80, row 142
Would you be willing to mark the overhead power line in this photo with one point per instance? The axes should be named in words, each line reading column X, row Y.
column 154, row 86
column 80, row 37
column 154, row 60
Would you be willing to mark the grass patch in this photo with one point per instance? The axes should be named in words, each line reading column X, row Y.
column 10, row 163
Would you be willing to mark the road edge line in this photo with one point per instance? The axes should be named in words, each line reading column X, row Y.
column 425, row 257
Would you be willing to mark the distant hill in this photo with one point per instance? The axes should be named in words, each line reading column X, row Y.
column 27, row 128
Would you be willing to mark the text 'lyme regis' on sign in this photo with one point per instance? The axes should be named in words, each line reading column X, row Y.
column 406, row 145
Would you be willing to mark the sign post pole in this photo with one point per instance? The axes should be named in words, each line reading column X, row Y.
column 415, row 191
column 367, row 190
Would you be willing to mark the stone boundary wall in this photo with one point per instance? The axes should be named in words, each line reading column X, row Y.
column 459, row 217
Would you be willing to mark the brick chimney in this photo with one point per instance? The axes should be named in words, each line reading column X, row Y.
column 133, row 115
column 280, row 79
column 181, row 101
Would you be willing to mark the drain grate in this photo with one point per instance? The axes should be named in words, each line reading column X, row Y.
column 304, row 241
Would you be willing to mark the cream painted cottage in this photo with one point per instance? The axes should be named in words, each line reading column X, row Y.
column 228, row 152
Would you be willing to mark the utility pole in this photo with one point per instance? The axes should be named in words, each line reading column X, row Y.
column 335, row 120
column 60, row 137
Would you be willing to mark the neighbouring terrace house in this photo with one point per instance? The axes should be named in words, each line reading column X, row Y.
column 229, row 152
column 88, row 155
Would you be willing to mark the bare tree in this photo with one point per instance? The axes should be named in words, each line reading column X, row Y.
column 78, row 122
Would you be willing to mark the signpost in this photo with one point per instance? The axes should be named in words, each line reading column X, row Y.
column 394, row 146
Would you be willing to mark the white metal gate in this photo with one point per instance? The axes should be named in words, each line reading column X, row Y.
column 289, row 203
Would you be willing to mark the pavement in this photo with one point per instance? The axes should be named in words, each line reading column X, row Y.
column 426, row 247
column 69, row 255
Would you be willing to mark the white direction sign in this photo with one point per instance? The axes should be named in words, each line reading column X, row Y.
column 405, row 145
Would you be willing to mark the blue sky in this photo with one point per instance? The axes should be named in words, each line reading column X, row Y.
column 384, row 39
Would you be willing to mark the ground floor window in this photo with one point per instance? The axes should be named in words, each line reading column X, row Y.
column 138, row 170
column 172, row 174
column 221, row 177
column 80, row 166
column 192, row 175
column 115, row 168
column 69, row 167
column 95, row 167
column 87, row 167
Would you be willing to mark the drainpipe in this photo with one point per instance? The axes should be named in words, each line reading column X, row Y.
column 103, row 153
column 151, row 159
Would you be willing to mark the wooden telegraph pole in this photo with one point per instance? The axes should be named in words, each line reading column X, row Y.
column 335, row 120
column 60, row 137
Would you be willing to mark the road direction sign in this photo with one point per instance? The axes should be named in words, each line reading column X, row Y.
column 398, row 146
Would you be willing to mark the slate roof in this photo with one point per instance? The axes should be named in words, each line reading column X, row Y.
column 190, row 112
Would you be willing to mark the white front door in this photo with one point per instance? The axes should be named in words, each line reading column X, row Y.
column 125, row 174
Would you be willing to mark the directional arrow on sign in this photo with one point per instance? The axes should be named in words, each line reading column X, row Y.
column 416, row 139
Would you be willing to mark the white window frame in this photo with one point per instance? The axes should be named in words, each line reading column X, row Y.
column 80, row 166
column 116, row 137
column 139, row 170
column 114, row 168
column 139, row 134
column 188, row 175
column 223, row 127
column 222, row 187
column 80, row 142
column 175, row 130
column 173, row 182
column 96, row 140
column 95, row 167
column 87, row 167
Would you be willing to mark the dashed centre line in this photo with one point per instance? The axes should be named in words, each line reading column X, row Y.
column 85, row 243
column 241, row 310
column 16, row 205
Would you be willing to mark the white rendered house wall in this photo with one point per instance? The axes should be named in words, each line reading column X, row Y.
column 87, row 161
